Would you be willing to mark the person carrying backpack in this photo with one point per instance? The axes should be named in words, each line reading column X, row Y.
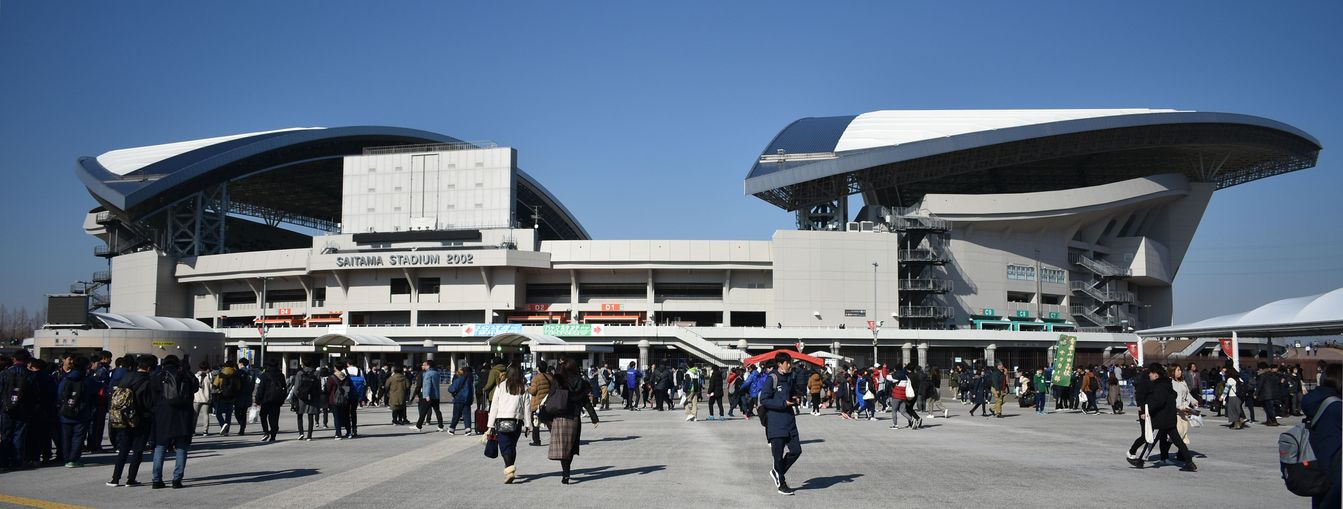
column 172, row 395
column 226, row 387
column 306, row 400
column 1325, row 432
column 75, row 403
column 130, row 418
column 244, row 399
column 358, row 393
column 339, row 393
column 201, row 400
column 20, row 393
column 778, row 399
column 271, row 392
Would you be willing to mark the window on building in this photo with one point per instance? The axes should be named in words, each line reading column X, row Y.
column 400, row 286
column 1021, row 297
column 1020, row 272
column 1055, row 276
column 428, row 285
column 1052, row 300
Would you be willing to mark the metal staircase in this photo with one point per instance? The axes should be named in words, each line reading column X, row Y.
column 922, row 238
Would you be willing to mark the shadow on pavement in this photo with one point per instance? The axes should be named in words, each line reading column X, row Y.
column 251, row 477
column 613, row 439
column 595, row 473
column 812, row 441
column 820, row 483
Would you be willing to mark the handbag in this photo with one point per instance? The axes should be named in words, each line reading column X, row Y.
column 1196, row 421
column 506, row 425
column 909, row 390
column 253, row 415
column 491, row 447
column 869, row 395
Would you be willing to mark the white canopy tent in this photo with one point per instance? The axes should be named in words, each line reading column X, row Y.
column 1315, row 315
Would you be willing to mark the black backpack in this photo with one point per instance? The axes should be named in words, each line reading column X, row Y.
column 174, row 390
column 73, row 399
column 557, row 402
column 309, row 389
column 275, row 390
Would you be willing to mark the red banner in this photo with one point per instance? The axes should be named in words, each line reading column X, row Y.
column 1133, row 350
column 1226, row 346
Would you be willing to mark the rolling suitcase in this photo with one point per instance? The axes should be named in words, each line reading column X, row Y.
column 481, row 417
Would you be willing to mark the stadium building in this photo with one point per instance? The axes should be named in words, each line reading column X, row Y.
column 979, row 235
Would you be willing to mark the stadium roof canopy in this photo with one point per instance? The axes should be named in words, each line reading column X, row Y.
column 895, row 157
column 287, row 175
column 1314, row 315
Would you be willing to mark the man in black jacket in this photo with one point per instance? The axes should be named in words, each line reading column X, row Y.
column 1162, row 410
column 779, row 399
column 1270, row 387
column 131, row 439
column 1142, row 390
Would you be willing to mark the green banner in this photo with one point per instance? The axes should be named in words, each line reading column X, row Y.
column 570, row 329
column 1064, row 351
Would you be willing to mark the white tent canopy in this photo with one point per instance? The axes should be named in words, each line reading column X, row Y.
column 1314, row 315
column 543, row 343
column 144, row 322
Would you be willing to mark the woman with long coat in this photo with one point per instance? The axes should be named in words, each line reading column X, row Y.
column 979, row 392
column 396, row 388
column 565, row 426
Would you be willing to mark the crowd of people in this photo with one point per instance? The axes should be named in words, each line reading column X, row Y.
column 57, row 411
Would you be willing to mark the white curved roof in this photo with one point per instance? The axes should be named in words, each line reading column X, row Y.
column 1315, row 314
column 354, row 340
column 895, row 127
column 127, row 160
column 143, row 322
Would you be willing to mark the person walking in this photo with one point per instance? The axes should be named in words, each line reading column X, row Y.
column 463, row 391
column 570, row 388
column 1090, row 386
column 133, row 434
column 224, row 390
column 539, row 390
column 933, row 392
column 1325, row 431
column 271, row 392
column 780, row 422
column 75, row 407
column 1040, row 387
column 394, row 395
column 172, row 393
column 815, row 384
column 631, row 387
column 492, row 379
column 1269, row 390
column 244, row 399
column 1230, row 397
column 201, row 401
column 509, row 412
column 1185, row 407
column 691, row 385
column 1142, row 391
column 1161, row 408
column 305, row 399
column 338, row 390
column 715, row 390
column 429, row 394
column 1113, row 396
column 997, row 382
column 979, row 392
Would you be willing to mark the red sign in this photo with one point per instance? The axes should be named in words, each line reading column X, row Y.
column 1133, row 350
column 610, row 307
column 286, row 311
column 871, row 325
column 1226, row 346
column 538, row 307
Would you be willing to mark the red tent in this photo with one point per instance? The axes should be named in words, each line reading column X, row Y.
column 769, row 356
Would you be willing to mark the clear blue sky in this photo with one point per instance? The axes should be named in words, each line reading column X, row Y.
column 644, row 117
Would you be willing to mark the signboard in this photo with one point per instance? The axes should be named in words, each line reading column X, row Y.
column 1226, row 346
column 165, row 343
column 871, row 325
column 285, row 311
column 405, row 260
column 1064, row 351
column 337, row 329
column 1022, row 313
column 855, row 312
column 573, row 329
column 491, row 329
column 1053, row 315
column 989, row 312
column 538, row 307
column 1132, row 349
column 610, row 307
column 958, row 360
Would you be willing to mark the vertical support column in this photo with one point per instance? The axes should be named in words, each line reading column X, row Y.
column 644, row 346
column 573, row 295
column 923, row 354
column 650, row 301
column 905, row 353
column 489, row 295
column 988, row 355
column 284, row 363
column 727, row 306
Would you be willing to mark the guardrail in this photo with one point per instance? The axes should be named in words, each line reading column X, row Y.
column 925, row 285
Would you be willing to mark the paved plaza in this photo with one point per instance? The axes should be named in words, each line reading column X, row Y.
column 657, row 459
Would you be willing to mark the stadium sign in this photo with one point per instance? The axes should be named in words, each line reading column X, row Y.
column 491, row 329
column 405, row 260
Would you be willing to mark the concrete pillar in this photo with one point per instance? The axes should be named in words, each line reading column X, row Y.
column 644, row 345
column 284, row 363
column 906, row 351
column 1049, row 358
column 727, row 307
column 988, row 355
column 923, row 354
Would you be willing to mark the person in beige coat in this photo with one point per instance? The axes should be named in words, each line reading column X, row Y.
column 540, row 388
column 511, row 402
column 396, row 388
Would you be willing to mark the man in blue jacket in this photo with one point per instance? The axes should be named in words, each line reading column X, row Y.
column 75, row 406
column 632, row 387
column 429, row 381
column 780, row 422
column 462, row 389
